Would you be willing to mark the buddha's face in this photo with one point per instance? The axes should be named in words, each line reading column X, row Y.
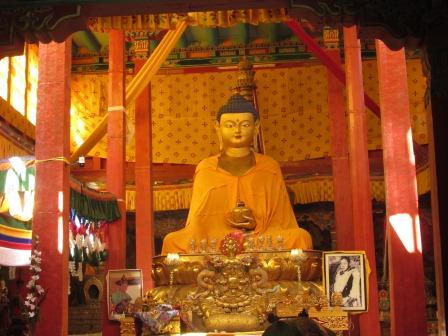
column 237, row 129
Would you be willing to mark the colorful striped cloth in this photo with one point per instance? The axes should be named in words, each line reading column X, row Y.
column 16, row 234
column 15, row 241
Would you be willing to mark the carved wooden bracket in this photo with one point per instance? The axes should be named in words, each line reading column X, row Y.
column 396, row 23
column 37, row 24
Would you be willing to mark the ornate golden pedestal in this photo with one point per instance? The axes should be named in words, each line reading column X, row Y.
column 280, row 268
column 235, row 293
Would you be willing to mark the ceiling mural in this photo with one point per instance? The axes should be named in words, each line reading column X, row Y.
column 266, row 42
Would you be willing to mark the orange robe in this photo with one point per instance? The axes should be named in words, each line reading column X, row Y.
column 215, row 192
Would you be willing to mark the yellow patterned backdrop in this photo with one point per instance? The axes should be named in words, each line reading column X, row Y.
column 88, row 105
column 294, row 112
column 292, row 103
column 416, row 87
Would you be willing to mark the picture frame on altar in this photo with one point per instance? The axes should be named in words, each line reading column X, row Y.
column 124, row 286
column 344, row 277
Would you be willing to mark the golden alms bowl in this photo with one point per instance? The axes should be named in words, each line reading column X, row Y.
column 241, row 213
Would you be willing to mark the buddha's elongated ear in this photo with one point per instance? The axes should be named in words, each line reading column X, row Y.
column 219, row 134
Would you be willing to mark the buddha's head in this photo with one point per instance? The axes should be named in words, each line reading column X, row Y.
column 237, row 123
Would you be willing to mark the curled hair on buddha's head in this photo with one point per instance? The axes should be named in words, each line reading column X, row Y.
column 237, row 104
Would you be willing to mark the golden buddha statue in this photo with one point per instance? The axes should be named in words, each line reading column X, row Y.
column 238, row 189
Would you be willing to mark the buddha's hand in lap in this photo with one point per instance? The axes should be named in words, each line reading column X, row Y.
column 248, row 224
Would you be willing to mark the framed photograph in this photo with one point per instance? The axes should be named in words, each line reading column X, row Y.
column 344, row 277
column 123, row 288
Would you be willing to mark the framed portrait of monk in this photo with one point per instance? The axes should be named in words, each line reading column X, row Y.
column 344, row 277
column 124, row 286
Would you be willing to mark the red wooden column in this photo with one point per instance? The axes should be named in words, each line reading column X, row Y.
column 403, row 227
column 116, row 149
column 339, row 158
column 439, row 180
column 144, row 230
column 435, row 60
column 51, row 210
column 360, row 176
column 116, row 145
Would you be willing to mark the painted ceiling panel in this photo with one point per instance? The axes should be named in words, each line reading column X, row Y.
column 88, row 42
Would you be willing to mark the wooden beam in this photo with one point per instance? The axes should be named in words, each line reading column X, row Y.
column 125, row 7
column 170, row 173
column 16, row 137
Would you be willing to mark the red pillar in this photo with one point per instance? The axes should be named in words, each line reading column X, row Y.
column 434, row 62
column 116, row 145
column 360, row 176
column 116, row 150
column 51, row 210
column 339, row 158
column 403, row 227
column 439, row 180
column 144, row 230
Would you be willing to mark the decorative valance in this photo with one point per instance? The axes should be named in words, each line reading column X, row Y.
column 155, row 23
column 94, row 209
column 165, row 198
column 306, row 190
column 87, row 203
